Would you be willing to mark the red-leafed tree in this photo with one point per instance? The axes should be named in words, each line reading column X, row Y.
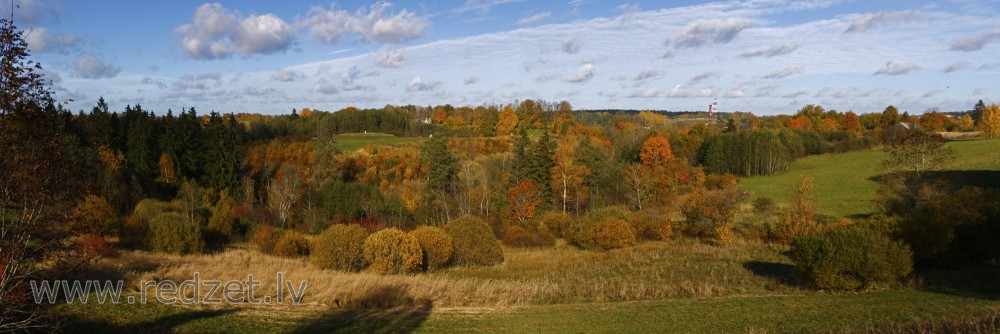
column 525, row 197
column 656, row 152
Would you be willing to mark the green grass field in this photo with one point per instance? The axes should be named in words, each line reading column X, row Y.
column 350, row 142
column 843, row 181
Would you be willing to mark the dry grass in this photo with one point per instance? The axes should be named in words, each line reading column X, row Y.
column 563, row 274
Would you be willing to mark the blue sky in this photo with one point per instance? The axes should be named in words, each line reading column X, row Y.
column 763, row 56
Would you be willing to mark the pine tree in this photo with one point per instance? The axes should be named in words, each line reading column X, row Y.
column 221, row 160
column 540, row 165
column 521, row 162
column 140, row 155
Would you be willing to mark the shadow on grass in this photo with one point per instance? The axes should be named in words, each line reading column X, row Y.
column 777, row 272
column 166, row 324
column 986, row 179
column 973, row 282
column 387, row 309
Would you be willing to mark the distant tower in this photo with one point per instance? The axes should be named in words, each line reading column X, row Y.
column 713, row 108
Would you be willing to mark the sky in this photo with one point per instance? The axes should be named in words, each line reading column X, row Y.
column 762, row 56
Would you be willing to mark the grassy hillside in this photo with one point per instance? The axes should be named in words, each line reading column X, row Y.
column 843, row 181
column 349, row 142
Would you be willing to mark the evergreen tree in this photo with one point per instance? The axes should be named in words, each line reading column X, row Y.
column 977, row 112
column 540, row 166
column 140, row 155
column 521, row 164
column 221, row 159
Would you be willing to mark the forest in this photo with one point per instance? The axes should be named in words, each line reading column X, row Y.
column 467, row 185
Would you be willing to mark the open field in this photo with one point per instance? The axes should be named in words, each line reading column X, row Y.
column 653, row 287
column 844, row 185
column 353, row 141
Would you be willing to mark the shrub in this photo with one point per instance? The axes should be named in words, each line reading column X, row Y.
column 723, row 235
column 93, row 214
column 585, row 232
column 390, row 251
column 651, row 227
column 93, row 246
column 291, row 244
column 559, row 224
column 265, row 237
column 850, row 258
column 474, row 242
column 706, row 211
column 172, row 233
column 436, row 244
column 613, row 233
column 339, row 247
column 764, row 205
column 519, row 237
column 135, row 229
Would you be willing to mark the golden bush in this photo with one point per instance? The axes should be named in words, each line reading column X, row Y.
column 291, row 244
column 339, row 247
column 474, row 242
column 390, row 251
column 436, row 244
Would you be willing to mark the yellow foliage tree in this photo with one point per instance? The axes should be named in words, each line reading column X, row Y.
column 507, row 121
column 991, row 121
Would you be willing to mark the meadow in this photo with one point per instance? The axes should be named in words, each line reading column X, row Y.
column 845, row 182
column 350, row 142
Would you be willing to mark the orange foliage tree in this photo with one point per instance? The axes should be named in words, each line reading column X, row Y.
column 656, row 152
column 507, row 121
column 525, row 197
column 800, row 122
column 851, row 122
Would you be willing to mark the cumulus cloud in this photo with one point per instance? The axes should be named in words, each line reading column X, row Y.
column 217, row 32
column 769, row 51
column 153, row 82
column 871, row 21
column 646, row 74
column 374, row 24
column 36, row 11
column 470, row 80
column 534, row 19
column 287, row 75
column 419, row 85
column 897, row 67
column 956, row 66
column 610, row 93
column 766, row 90
column 703, row 76
column 89, row 67
column 668, row 53
column 977, row 42
column 571, row 45
column 41, row 40
column 796, row 93
column 583, row 74
column 680, row 91
column 787, row 71
column 710, row 32
column 390, row 57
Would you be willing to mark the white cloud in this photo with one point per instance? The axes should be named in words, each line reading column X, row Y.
column 342, row 82
column 897, row 67
column 287, row 75
column 957, row 66
column 482, row 7
column 470, row 80
column 375, row 24
column 570, row 45
column 769, row 51
column 89, row 67
column 583, row 74
column 977, row 42
column 418, row 85
column 646, row 74
column 787, row 71
column 796, row 93
column 390, row 57
column 534, row 19
column 680, row 91
column 710, row 32
column 42, row 40
column 645, row 93
column 989, row 67
column 872, row 21
column 217, row 32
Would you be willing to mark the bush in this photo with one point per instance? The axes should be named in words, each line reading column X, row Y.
column 519, row 237
column 339, row 247
column 291, row 244
column 390, row 251
column 613, row 233
column 135, row 229
column 651, row 227
column 474, row 242
column 850, row 258
column 559, row 224
column 764, row 205
column 93, row 246
column 436, row 244
column 706, row 211
column 172, row 233
column 265, row 237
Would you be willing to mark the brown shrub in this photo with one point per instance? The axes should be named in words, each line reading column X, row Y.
column 613, row 233
column 265, row 237
column 173, row 233
column 390, row 251
column 723, row 235
column 651, row 227
column 474, row 242
column 436, row 244
column 339, row 247
column 291, row 244
column 520, row 237
column 559, row 224
column 93, row 246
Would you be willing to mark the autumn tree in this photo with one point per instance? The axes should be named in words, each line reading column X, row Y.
column 851, row 122
column 506, row 121
column 656, row 152
column 524, row 197
column 966, row 123
column 890, row 116
column 918, row 152
column 282, row 194
column 639, row 180
column 991, row 121
column 568, row 175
